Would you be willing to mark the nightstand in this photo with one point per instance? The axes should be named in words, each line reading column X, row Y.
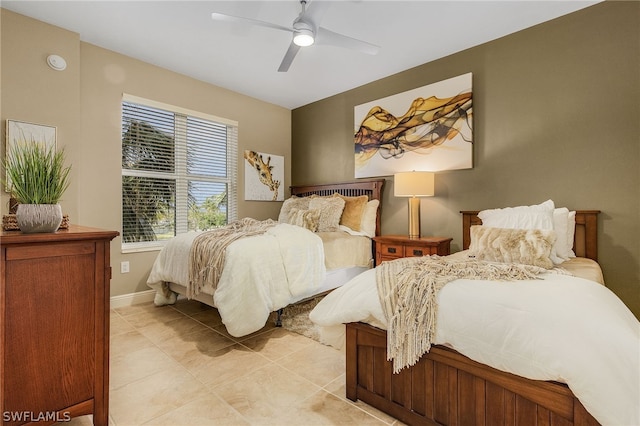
column 389, row 247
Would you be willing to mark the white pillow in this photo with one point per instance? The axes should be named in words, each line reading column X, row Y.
column 539, row 216
column 571, row 232
column 564, row 230
column 368, row 222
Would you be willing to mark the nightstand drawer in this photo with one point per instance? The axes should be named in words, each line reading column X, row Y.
column 418, row 251
column 391, row 247
column 392, row 250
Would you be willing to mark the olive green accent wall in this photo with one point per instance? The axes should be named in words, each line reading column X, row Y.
column 84, row 102
column 556, row 116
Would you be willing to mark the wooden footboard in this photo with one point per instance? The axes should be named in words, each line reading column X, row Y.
column 447, row 388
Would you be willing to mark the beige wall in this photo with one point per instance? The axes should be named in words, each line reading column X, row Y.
column 33, row 92
column 556, row 115
column 84, row 103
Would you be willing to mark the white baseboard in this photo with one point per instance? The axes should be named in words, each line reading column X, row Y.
column 132, row 298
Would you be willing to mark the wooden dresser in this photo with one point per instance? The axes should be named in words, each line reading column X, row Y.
column 54, row 330
column 389, row 247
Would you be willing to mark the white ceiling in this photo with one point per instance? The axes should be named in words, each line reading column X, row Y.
column 182, row 37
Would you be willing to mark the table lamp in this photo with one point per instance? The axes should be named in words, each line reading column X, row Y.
column 414, row 185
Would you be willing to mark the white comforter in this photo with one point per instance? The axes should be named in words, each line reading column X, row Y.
column 262, row 273
column 561, row 328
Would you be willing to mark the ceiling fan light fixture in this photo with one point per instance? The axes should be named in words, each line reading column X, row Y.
column 303, row 38
column 303, row 35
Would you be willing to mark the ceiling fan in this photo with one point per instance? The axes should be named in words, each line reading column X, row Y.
column 306, row 31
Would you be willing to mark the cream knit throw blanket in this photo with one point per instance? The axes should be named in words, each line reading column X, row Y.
column 207, row 254
column 408, row 288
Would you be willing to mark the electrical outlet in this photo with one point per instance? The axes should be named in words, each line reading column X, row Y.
column 124, row 267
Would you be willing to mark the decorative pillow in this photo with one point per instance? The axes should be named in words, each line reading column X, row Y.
column 330, row 212
column 368, row 223
column 293, row 202
column 306, row 218
column 538, row 216
column 353, row 210
column 526, row 246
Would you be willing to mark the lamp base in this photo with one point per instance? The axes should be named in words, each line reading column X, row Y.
column 414, row 217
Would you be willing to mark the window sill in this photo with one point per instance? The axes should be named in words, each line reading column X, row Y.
column 141, row 249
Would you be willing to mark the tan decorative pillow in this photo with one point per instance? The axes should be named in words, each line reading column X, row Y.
column 526, row 246
column 353, row 210
column 330, row 212
column 306, row 218
column 290, row 203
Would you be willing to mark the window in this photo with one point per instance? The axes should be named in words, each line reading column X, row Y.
column 178, row 172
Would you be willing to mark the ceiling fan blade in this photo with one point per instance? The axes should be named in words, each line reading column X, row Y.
column 230, row 18
column 325, row 36
column 288, row 57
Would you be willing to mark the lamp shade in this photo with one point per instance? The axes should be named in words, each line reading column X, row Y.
column 414, row 184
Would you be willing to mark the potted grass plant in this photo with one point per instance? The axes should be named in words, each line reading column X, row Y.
column 37, row 177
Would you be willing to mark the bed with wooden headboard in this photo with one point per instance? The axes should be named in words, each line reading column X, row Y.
column 539, row 328
column 168, row 275
column 446, row 387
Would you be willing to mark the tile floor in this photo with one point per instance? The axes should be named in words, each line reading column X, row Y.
column 176, row 365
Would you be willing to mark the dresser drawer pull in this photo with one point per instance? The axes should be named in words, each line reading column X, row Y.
column 417, row 252
column 391, row 249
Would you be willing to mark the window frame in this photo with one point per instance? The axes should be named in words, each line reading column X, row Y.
column 180, row 173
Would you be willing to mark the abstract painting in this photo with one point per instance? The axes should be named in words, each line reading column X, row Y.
column 263, row 174
column 425, row 129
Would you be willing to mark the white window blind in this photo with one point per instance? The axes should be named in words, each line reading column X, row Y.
column 178, row 172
